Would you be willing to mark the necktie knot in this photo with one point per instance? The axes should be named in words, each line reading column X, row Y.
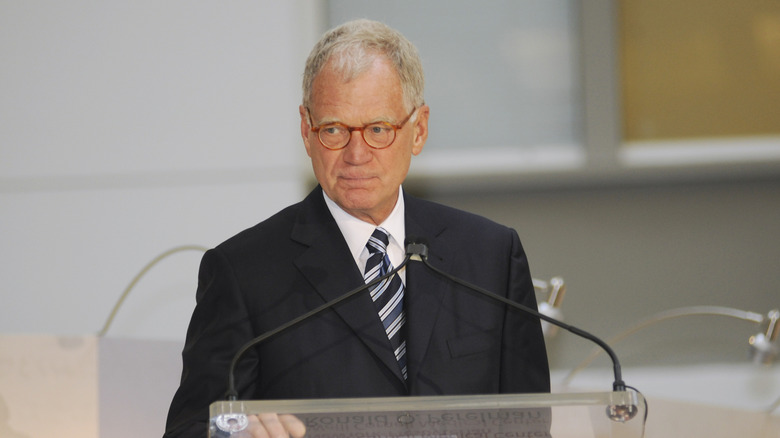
column 378, row 241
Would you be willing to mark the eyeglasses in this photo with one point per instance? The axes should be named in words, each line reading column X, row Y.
column 377, row 135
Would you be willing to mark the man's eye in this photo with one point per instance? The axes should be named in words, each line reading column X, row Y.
column 379, row 129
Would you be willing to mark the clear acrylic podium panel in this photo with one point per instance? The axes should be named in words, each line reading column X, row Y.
column 580, row 415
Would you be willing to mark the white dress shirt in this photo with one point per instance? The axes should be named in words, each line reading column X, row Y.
column 357, row 232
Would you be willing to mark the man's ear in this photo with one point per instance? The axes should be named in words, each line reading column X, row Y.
column 305, row 128
column 420, row 129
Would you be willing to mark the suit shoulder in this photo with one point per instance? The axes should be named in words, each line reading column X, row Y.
column 450, row 217
column 266, row 232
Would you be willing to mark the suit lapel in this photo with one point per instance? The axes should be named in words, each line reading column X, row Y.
column 329, row 267
column 425, row 290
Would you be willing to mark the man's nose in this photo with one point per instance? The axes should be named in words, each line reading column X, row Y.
column 357, row 151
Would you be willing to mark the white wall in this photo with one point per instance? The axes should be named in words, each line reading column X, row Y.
column 129, row 128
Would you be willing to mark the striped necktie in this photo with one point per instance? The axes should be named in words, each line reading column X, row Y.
column 388, row 295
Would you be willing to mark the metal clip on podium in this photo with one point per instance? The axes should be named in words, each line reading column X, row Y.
column 577, row 415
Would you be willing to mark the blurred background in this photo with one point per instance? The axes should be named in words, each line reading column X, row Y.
column 635, row 147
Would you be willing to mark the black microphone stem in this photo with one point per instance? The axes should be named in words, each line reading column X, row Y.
column 617, row 385
column 232, row 393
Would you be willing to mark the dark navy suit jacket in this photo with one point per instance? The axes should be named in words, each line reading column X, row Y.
column 458, row 342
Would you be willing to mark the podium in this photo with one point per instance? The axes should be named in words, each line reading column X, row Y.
column 85, row 386
column 619, row 414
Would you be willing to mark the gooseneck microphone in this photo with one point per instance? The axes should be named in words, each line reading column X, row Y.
column 232, row 393
column 417, row 249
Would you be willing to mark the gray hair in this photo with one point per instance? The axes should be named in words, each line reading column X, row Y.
column 353, row 46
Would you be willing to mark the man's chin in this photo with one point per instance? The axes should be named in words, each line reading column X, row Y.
column 357, row 203
column 364, row 206
column 357, row 195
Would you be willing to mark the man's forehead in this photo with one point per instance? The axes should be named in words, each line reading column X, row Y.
column 351, row 116
column 374, row 95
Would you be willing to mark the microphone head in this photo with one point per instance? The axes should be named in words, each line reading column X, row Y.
column 416, row 247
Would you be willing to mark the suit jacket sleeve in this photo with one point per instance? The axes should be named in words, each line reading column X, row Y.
column 524, row 366
column 218, row 328
column 463, row 342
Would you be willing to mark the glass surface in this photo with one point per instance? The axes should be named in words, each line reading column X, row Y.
column 488, row 416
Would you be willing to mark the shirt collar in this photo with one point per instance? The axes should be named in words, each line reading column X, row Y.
column 356, row 232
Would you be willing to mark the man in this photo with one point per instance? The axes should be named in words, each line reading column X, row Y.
column 362, row 119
